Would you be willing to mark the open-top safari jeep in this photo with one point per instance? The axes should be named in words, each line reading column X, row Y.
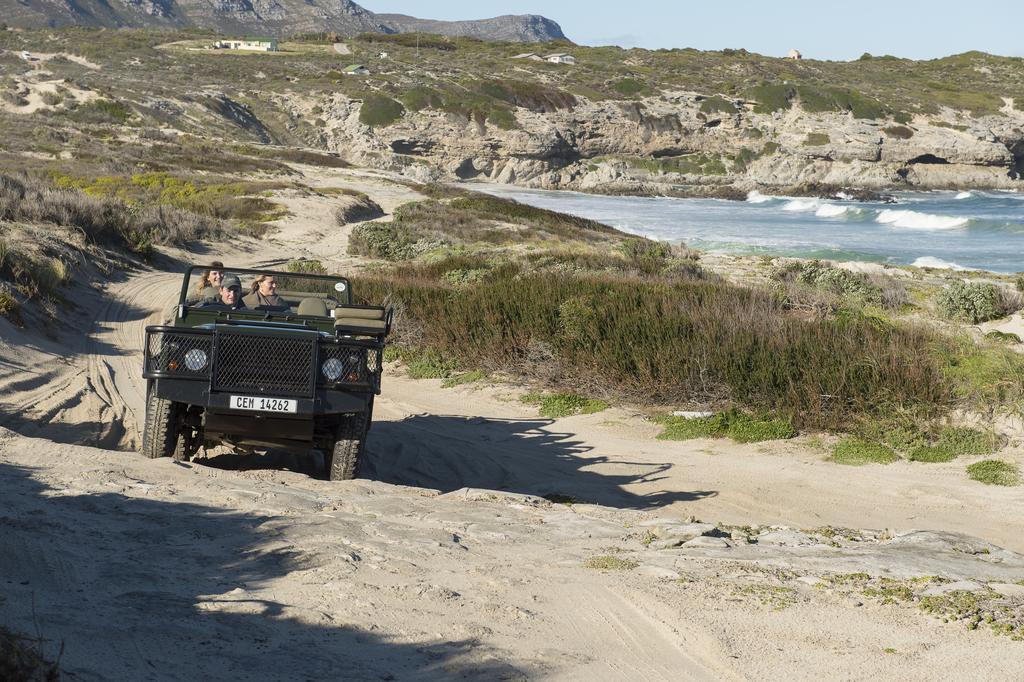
column 298, row 376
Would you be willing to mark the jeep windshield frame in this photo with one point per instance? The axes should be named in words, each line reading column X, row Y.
column 329, row 289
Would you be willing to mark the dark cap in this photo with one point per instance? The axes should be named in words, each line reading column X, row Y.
column 230, row 281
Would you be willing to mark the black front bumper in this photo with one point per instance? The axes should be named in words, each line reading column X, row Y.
column 325, row 401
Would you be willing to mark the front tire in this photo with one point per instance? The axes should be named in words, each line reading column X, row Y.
column 344, row 459
column 161, row 435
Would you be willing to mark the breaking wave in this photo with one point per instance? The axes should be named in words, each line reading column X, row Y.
column 802, row 205
column 755, row 197
column 830, row 211
column 913, row 220
column 933, row 262
column 964, row 195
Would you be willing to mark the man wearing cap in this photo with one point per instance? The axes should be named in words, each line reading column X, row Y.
column 230, row 295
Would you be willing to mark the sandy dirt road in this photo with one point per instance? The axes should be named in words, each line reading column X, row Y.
column 445, row 562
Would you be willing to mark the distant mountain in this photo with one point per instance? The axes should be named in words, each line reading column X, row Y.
column 521, row 28
column 264, row 17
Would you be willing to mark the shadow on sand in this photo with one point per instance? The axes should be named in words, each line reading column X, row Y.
column 522, row 455
column 516, row 455
column 126, row 586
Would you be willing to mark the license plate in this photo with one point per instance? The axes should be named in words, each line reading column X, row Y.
column 257, row 404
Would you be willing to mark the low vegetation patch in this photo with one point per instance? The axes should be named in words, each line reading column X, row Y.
column 995, row 472
column 857, row 451
column 956, row 442
column 610, row 563
column 662, row 339
column 101, row 218
column 556, row 405
column 468, row 218
column 739, row 426
column 380, row 111
column 976, row 302
column 836, row 281
column 21, row 658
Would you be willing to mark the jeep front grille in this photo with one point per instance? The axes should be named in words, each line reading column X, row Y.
column 166, row 352
column 265, row 365
column 361, row 364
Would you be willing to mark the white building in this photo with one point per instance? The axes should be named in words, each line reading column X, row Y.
column 794, row 54
column 356, row 70
column 560, row 58
column 253, row 44
column 529, row 55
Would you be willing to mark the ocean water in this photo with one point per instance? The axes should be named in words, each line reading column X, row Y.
column 956, row 230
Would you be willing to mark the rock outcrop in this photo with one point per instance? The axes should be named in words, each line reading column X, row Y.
column 264, row 17
column 667, row 145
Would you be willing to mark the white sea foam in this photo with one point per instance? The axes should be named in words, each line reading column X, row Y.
column 964, row 195
column 933, row 262
column 914, row 220
column 755, row 197
column 830, row 211
column 802, row 205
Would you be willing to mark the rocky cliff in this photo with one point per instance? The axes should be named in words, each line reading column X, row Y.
column 670, row 144
column 263, row 17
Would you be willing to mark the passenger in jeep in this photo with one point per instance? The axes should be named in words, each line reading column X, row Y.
column 263, row 295
column 230, row 297
column 208, row 289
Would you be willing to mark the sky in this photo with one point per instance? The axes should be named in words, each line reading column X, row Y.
column 820, row 29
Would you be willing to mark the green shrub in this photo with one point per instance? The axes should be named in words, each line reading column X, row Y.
column 816, row 139
column 380, row 110
column 771, row 98
column 556, row 405
column 717, row 105
column 8, row 304
column 898, row 132
column 313, row 267
column 838, row 281
column 995, row 472
column 610, row 563
column 530, row 95
column 629, row 87
column 738, row 426
column 101, row 111
column 646, row 255
column 675, row 341
column 503, row 118
column 972, row 302
column 819, row 99
column 856, row 452
column 388, row 241
column 955, row 442
column 52, row 98
column 463, row 379
column 1002, row 337
column 421, row 97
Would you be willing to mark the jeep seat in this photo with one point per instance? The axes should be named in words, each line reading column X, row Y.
column 360, row 320
column 312, row 306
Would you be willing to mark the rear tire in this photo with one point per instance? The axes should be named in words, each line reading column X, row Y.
column 344, row 458
column 161, row 435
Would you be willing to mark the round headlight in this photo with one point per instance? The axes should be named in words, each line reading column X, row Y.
column 195, row 359
column 333, row 369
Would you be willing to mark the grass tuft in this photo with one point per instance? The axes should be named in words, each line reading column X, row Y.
column 856, row 452
column 556, row 405
column 610, row 563
column 995, row 472
column 733, row 424
column 954, row 442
